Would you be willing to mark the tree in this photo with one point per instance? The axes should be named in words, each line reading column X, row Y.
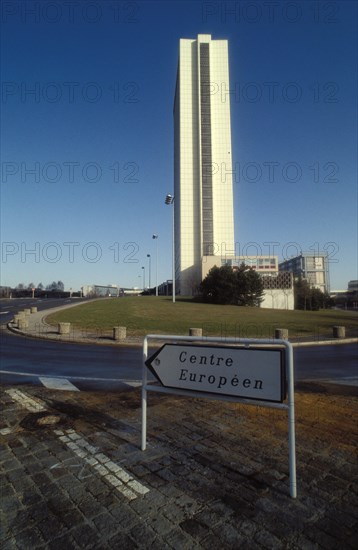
column 60, row 286
column 56, row 286
column 302, row 291
column 5, row 291
column 40, row 286
column 310, row 298
column 254, row 288
column 52, row 286
column 242, row 285
column 223, row 285
column 218, row 286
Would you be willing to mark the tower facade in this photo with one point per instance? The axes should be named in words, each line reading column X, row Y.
column 204, row 215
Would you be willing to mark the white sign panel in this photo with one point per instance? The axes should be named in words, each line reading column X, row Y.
column 252, row 373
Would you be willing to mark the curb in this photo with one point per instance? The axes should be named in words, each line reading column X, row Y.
column 135, row 343
column 71, row 340
column 339, row 341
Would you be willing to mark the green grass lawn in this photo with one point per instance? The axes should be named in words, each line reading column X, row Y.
column 158, row 315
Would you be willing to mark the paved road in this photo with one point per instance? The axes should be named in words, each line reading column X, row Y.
column 26, row 360
column 337, row 364
column 9, row 307
column 89, row 367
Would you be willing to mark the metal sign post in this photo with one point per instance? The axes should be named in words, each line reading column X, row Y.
column 252, row 372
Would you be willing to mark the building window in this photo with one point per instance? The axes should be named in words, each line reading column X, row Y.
column 206, row 156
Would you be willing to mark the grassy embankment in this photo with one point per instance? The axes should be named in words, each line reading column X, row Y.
column 144, row 315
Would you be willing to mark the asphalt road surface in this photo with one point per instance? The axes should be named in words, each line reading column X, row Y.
column 27, row 360
column 9, row 307
column 85, row 367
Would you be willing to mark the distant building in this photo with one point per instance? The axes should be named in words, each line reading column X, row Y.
column 261, row 264
column 204, row 213
column 346, row 299
column 353, row 286
column 101, row 291
column 166, row 288
column 311, row 267
column 135, row 291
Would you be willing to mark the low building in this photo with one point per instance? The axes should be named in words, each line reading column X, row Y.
column 353, row 286
column 311, row 267
column 278, row 291
column 261, row 264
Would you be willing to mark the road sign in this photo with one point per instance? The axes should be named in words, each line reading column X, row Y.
column 253, row 373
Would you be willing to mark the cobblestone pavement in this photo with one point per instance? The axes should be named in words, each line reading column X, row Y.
column 214, row 475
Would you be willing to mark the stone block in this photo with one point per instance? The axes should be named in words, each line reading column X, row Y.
column 64, row 328
column 339, row 332
column 119, row 333
column 281, row 333
column 195, row 332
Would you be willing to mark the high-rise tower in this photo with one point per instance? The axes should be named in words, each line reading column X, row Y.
column 204, row 217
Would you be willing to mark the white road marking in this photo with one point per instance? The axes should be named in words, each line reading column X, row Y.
column 57, row 383
column 3, row 312
column 24, row 400
column 113, row 474
column 133, row 383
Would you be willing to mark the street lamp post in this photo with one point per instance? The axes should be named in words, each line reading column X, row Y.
column 156, row 264
column 169, row 199
column 143, row 277
column 150, row 270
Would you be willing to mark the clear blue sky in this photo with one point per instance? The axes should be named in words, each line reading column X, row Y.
column 87, row 133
